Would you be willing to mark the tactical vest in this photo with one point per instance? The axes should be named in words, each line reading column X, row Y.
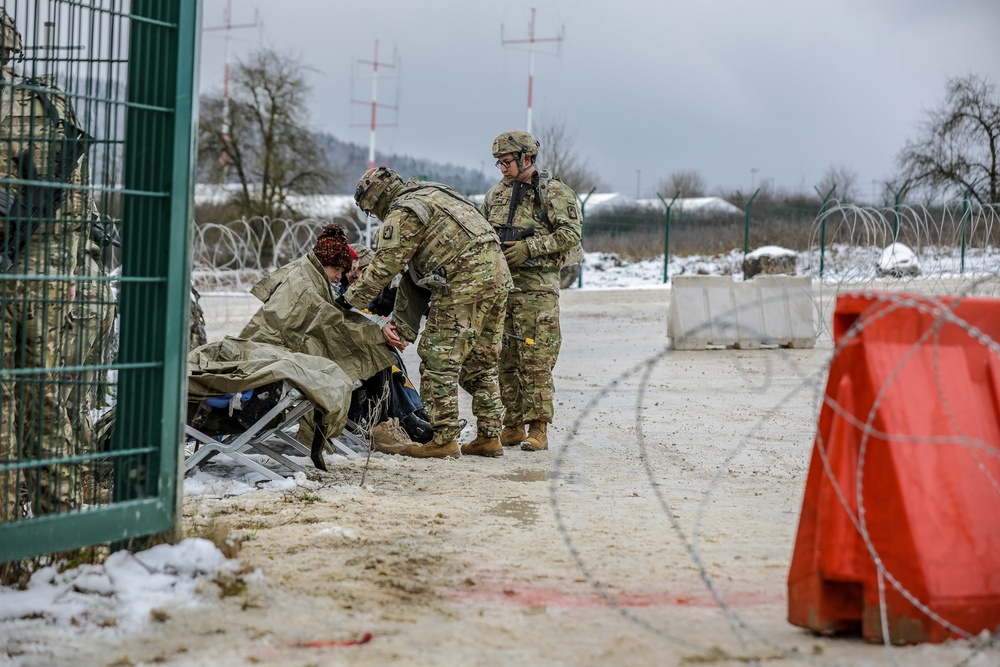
column 40, row 136
column 568, row 258
column 452, row 223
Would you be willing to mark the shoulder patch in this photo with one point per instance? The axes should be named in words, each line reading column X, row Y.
column 388, row 235
column 571, row 212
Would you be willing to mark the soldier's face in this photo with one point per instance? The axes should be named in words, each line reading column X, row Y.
column 507, row 164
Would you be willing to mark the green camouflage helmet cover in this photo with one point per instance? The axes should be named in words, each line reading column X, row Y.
column 10, row 38
column 373, row 185
column 515, row 142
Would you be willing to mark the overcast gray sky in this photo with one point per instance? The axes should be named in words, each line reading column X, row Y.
column 645, row 87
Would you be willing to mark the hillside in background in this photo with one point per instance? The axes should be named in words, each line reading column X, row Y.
column 351, row 160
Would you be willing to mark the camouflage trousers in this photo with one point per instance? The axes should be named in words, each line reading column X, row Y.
column 34, row 423
column 459, row 347
column 89, row 328
column 526, row 369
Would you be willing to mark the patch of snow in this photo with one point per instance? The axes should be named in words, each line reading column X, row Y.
column 119, row 595
column 770, row 251
column 898, row 259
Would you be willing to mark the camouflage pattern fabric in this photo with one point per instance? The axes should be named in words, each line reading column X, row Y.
column 433, row 230
column 556, row 225
column 533, row 305
column 459, row 347
column 34, row 419
column 526, row 370
column 89, row 328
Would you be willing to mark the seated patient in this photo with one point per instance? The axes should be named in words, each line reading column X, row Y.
column 298, row 313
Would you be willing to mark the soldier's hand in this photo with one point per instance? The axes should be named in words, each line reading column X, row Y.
column 516, row 252
column 392, row 337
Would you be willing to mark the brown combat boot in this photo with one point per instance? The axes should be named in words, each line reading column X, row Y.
column 433, row 450
column 511, row 436
column 537, row 439
column 483, row 445
column 389, row 437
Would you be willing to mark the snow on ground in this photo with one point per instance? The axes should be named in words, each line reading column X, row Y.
column 129, row 591
column 841, row 264
column 122, row 594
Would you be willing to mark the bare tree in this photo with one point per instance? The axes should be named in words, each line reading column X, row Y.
column 265, row 145
column 959, row 143
column 844, row 178
column 557, row 154
column 689, row 183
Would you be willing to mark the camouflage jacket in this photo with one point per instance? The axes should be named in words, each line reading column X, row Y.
column 299, row 314
column 27, row 128
column 557, row 230
column 435, row 232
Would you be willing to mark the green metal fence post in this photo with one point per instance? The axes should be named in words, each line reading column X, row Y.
column 156, row 232
column 897, row 194
column 822, row 224
column 583, row 217
column 965, row 222
column 666, row 233
column 965, row 213
column 746, row 223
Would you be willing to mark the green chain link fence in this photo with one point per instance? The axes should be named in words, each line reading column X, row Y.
column 96, row 168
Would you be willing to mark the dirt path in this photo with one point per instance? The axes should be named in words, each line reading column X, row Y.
column 669, row 471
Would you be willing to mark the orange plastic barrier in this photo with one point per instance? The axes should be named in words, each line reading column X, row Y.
column 905, row 474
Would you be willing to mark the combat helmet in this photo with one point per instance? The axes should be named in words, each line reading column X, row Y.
column 515, row 142
column 10, row 38
column 371, row 188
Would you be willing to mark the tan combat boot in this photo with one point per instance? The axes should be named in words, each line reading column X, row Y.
column 483, row 445
column 433, row 450
column 512, row 435
column 537, row 439
column 389, row 437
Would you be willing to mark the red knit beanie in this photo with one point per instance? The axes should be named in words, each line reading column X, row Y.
column 332, row 248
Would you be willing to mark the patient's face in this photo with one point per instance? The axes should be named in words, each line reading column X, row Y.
column 333, row 274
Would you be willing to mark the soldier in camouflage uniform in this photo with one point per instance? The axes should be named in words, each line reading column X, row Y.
column 449, row 248
column 538, row 218
column 41, row 140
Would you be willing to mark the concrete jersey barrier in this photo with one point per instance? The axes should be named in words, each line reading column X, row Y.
column 714, row 311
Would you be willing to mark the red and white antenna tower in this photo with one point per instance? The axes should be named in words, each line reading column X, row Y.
column 531, row 41
column 374, row 104
column 228, row 27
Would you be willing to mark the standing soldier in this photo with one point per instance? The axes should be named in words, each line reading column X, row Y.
column 41, row 210
column 449, row 248
column 538, row 222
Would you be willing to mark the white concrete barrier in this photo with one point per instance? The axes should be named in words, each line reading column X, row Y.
column 711, row 311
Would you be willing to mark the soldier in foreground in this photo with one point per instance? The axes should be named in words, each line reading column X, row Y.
column 450, row 249
column 42, row 209
column 538, row 221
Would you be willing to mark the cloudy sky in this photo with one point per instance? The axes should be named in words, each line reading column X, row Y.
column 737, row 90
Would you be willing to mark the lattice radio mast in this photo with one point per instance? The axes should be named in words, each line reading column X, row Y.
column 375, row 105
column 531, row 41
column 228, row 27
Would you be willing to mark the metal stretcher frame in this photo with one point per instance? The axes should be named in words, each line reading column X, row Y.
column 255, row 438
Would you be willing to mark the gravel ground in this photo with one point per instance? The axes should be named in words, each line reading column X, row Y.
column 657, row 530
